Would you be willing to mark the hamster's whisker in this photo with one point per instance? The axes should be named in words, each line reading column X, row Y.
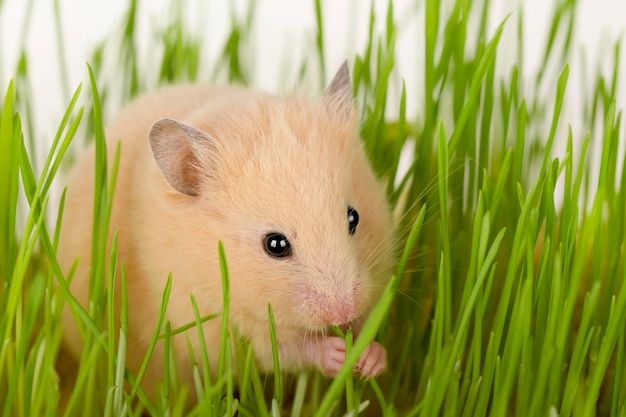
column 396, row 236
column 404, row 294
column 430, row 187
column 400, row 236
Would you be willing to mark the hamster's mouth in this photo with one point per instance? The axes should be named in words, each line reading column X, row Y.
column 343, row 327
column 339, row 330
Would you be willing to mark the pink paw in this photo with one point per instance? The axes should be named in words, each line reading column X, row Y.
column 333, row 350
column 372, row 362
column 333, row 355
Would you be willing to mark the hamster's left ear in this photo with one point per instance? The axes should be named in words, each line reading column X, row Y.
column 184, row 154
column 338, row 94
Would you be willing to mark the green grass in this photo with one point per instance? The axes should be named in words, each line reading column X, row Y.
column 505, row 301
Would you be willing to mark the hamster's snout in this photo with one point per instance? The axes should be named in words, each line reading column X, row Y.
column 333, row 308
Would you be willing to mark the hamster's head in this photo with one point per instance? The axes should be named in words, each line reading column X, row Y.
column 285, row 184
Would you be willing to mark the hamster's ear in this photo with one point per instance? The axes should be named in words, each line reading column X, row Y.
column 338, row 94
column 182, row 153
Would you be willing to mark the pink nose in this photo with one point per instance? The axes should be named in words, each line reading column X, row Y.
column 332, row 308
column 340, row 316
column 339, row 311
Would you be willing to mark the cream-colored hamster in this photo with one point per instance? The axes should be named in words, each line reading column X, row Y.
column 283, row 182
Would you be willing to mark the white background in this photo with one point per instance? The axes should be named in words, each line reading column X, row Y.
column 284, row 30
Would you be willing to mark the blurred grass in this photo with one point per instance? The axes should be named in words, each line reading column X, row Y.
column 508, row 300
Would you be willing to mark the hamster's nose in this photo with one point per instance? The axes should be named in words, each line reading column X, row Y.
column 332, row 307
column 340, row 310
column 340, row 315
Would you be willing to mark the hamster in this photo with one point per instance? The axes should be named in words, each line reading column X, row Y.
column 283, row 182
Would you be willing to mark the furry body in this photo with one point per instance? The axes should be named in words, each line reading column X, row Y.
column 232, row 164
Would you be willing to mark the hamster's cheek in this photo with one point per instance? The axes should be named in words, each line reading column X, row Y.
column 254, row 284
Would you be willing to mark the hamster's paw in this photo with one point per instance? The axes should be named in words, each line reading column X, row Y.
column 372, row 362
column 333, row 355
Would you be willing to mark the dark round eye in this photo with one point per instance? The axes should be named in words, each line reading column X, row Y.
column 276, row 245
column 353, row 220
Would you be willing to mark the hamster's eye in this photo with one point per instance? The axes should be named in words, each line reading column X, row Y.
column 276, row 245
column 353, row 220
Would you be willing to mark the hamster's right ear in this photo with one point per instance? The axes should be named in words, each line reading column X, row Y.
column 338, row 94
column 183, row 153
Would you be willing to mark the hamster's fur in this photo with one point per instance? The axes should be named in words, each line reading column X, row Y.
column 202, row 164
